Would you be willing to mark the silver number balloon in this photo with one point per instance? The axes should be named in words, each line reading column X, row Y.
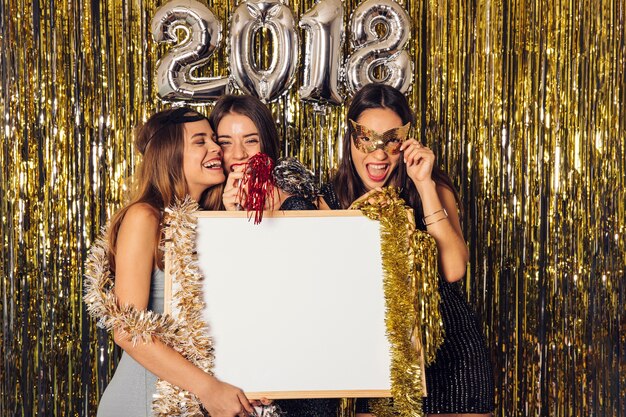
column 323, row 47
column 372, row 50
column 175, row 79
column 249, row 17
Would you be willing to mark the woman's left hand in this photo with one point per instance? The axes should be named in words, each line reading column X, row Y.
column 419, row 161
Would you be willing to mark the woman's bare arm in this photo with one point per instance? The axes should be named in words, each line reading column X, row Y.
column 136, row 241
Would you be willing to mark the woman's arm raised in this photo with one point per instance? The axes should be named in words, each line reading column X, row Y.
column 440, row 211
column 453, row 253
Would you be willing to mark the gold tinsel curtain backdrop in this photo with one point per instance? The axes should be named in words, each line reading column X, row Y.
column 523, row 102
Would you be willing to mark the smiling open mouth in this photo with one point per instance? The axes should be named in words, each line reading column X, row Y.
column 216, row 163
column 239, row 164
column 377, row 172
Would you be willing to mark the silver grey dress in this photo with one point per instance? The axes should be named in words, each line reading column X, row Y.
column 130, row 391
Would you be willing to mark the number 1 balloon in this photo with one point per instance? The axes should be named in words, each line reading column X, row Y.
column 324, row 26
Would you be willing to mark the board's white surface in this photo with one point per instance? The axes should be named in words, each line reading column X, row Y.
column 295, row 303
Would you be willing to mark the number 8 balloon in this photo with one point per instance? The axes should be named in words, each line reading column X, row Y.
column 175, row 80
column 373, row 50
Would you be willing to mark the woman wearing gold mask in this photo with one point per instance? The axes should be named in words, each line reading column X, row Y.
column 379, row 153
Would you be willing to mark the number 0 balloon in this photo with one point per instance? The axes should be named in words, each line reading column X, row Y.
column 248, row 18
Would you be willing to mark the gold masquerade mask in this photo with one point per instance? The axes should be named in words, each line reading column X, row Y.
column 366, row 140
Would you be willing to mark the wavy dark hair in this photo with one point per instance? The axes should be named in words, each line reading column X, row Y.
column 255, row 110
column 347, row 183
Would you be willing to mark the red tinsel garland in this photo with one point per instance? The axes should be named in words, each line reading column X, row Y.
column 260, row 184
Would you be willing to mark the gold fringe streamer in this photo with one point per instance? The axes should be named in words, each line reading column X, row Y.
column 429, row 323
column 347, row 407
column 187, row 333
column 410, row 276
column 522, row 102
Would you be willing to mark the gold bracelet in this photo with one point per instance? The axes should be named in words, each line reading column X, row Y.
column 436, row 221
column 445, row 214
column 435, row 212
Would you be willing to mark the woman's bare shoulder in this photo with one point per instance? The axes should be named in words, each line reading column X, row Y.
column 142, row 216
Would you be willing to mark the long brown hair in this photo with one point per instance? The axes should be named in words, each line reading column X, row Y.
column 255, row 110
column 160, row 178
column 347, row 183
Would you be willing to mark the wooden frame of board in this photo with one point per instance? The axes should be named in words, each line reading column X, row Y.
column 295, row 305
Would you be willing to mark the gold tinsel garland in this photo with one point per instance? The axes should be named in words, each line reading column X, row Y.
column 184, row 271
column 187, row 333
column 425, row 275
column 410, row 283
column 407, row 317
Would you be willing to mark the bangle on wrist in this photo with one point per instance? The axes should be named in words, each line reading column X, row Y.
column 435, row 212
column 442, row 210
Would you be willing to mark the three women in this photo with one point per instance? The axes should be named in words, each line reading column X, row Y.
column 182, row 158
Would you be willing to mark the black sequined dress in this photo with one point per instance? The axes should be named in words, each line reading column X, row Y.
column 460, row 380
column 295, row 202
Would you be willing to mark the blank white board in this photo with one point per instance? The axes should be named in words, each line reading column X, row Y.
column 295, row 305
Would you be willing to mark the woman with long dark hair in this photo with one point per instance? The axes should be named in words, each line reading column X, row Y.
column 244, row 127
column 377, row 153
